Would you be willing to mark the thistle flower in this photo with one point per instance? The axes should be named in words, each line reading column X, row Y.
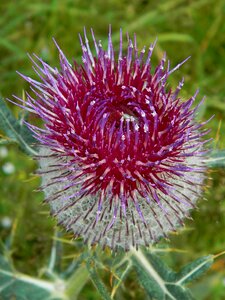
column 121, row 156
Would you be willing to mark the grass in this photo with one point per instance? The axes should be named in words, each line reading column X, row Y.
column 183, row 28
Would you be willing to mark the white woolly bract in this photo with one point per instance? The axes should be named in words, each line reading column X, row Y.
column 114, row 227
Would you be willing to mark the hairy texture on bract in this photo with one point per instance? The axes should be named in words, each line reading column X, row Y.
column 121, row 155
column 114, row 228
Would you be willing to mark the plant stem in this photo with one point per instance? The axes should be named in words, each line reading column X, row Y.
column 76, row 282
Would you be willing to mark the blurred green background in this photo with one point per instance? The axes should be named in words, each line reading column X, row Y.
column 183, row 28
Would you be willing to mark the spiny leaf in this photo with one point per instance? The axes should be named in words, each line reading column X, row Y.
column 178, row 292
column 194, row 269
column 152, row 274
column 98, row 283
column 15, row 129
column 20, row 286
column 150, row 285
column 160, row 282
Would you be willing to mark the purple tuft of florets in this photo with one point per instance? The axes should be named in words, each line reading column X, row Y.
column 120, row 155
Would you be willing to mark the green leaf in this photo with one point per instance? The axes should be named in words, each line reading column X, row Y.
column 217, row 159
column 15, row 285
column 97, row 281
column 160, row 282
column 194, row 269
column 150, row 285
column 152, row 273
column 178, row 292
column 15, row 129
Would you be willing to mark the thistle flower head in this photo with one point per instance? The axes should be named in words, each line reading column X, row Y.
column 121, row 156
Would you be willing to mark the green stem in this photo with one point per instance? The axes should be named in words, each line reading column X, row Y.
column 77, row 282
